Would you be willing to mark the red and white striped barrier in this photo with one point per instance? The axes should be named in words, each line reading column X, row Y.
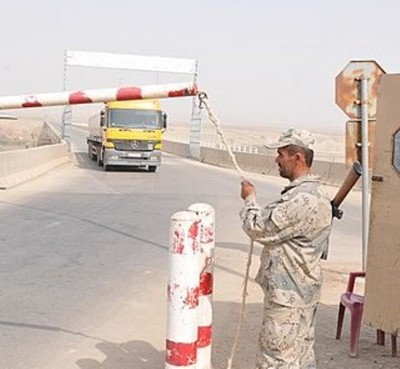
column 98, row 95
column 183, row 290
column 204, row 316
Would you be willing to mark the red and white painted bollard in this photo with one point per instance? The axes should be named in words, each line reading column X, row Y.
column 98, row 95
column 183, row 291
column 204, row 316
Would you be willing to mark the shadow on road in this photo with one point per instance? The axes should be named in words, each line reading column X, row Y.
column 132, row 354
column 49, row 328
column 82, row 161
column 330, row 353
column 243, row 247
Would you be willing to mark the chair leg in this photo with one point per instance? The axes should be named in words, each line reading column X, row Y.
column 340, row 321
column 380, row 337
column 394, row 345
column 355, row 328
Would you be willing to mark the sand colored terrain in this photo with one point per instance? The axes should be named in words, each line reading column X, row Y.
column 328, row 146
column 19, row 134
column 26, row 133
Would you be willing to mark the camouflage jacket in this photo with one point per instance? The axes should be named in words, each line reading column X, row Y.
column 294, row 231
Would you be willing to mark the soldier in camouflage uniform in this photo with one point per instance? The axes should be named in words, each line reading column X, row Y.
column 294, row 231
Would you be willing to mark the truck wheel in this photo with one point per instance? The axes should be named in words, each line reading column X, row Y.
column 99, row 161
column 152, row 168
column 90, row 151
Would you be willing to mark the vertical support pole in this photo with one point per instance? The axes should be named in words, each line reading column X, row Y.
column 207, row 240
column 183, row 290
column 365, row 166
column 66, row 117
column 64, row 88
column 195, row 125
column 65, row 66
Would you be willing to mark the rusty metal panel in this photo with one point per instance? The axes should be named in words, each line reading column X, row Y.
column 382, row 297
column 353, row 142
column 347, row 91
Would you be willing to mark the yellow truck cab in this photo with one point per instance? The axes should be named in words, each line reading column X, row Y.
column 127, row 133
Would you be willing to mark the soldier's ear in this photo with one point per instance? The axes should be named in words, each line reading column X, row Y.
column 300, row 157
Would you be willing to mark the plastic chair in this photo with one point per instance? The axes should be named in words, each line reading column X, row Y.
column 380, row 340
column 355, row 303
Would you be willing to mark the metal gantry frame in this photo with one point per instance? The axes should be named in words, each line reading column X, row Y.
column 66, row 116
column 134, row 62
column 195, row 124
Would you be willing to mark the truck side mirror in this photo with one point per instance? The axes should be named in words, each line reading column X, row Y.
column 164, row 120
column 102, row 118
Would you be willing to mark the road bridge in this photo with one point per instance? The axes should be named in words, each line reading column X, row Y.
column 84, row 261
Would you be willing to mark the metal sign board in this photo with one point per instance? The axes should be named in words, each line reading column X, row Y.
column 353, row 142
column 347, row 90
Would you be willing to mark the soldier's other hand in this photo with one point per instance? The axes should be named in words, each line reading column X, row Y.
column 247, row 189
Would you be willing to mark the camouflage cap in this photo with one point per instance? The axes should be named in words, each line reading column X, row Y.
column 293, row 136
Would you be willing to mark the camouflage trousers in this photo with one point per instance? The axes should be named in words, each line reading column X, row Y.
column 287, row 338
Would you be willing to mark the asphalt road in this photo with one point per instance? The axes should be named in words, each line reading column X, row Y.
column 83, row 258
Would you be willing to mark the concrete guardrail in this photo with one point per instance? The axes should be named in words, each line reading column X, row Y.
column 19, row 166
column 330, row 172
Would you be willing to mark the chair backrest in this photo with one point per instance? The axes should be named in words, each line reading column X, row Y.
column 352, row 279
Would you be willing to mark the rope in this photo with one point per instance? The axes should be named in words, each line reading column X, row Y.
column 215, row 121
column 243, row 306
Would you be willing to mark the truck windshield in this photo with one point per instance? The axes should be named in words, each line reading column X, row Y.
column 129, row 118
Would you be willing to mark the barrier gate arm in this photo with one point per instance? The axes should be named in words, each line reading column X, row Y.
column 98, row 95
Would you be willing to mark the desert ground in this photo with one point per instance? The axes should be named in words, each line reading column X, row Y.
column 328, row 145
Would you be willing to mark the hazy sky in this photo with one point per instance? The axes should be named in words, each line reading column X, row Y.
column 261, row 62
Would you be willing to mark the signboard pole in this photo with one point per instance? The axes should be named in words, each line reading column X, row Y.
column 365, row 165
column 356, row 95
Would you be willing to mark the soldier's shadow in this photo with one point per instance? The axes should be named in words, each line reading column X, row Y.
column 132, row 354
